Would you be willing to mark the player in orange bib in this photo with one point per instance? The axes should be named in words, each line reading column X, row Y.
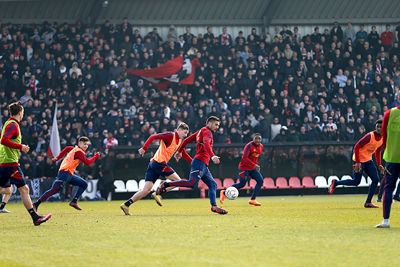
column 66, row 174
column 158, row 166
column 371, row 143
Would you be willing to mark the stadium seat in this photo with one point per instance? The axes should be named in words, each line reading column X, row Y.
column 268, row 183
column 253, row 183
column 119, row 186
column 202, row 185
column 184, row 188
column 132, row 186
column 219, row 184
column 227, row 182
column 281, row 183
column 294, row 182
column 321, row 182
column 308, row 182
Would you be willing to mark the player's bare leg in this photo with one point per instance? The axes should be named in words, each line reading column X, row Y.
column 7, row 191
column 26, row 199
column 137, row 196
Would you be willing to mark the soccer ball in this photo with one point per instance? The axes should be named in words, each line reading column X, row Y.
column 231, row 193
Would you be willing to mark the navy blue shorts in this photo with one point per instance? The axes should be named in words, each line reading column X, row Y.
column 11, row 175
column 155, row 170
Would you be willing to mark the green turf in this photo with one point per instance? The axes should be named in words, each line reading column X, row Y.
column 294, row 231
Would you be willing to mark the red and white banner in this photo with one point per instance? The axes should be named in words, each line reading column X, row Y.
column 177, row 70
column 54, row 147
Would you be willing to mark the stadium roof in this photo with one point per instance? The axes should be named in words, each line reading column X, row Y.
column 202, row 12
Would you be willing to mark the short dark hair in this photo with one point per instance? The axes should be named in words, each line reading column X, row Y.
column 15, row 108
column 183, row 126
column 380, row 121
column 83, row 139
column 212, row 119
column 257, row 134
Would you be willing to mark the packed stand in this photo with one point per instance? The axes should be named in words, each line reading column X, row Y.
column 323, row 86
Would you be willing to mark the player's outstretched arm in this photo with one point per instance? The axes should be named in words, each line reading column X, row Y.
column 186, row 156
column 187, row 141
column 63, row 153
column 81, row 156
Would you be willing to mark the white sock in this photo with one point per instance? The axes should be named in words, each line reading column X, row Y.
column 386, row 221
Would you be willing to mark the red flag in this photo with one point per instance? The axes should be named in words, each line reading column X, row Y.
column 54, row 147
column 177, row 70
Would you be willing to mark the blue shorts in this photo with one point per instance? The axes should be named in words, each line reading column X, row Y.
column 66, row 177
column 155, row 170
column 11, row 175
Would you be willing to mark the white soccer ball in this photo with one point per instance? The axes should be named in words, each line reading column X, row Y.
column 231, row 193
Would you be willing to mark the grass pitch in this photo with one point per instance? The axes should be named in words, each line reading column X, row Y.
column 291, row 231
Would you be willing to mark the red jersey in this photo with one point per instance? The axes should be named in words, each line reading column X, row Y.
column 204, row 142
column 250, row 156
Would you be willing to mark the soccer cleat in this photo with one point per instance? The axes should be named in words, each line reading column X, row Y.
column 254, row 202
column 161, row 188
column 42, row 219
column 379, row 199
column 396, row 198
column 157, row 198
column 222, row 196
column 332, row 187
column 75, row 205
column 218, row 210
column 4, row 211
column 125, row 209
column 383, row 224
column 370, row 205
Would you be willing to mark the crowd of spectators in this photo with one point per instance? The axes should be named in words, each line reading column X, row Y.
column 327, row 85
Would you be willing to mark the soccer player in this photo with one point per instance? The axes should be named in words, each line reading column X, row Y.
column 10, row 172
column 248, row 167
column 199, row 169
column 371, row 143
column 158, row 166
column 391, row 145
column 75, row 155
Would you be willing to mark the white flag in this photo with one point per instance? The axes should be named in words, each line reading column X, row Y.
column 54, row 147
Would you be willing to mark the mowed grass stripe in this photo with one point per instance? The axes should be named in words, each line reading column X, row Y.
column 295, row 231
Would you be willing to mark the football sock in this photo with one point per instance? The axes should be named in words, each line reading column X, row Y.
column 33, row 214
column 128, row 203
column 3, row 204
column 74, row 200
